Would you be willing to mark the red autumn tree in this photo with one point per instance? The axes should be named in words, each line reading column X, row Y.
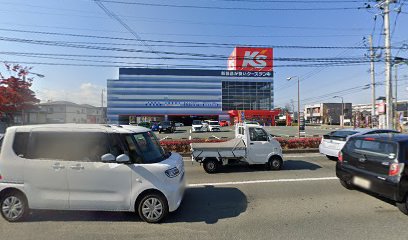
column 15, row 93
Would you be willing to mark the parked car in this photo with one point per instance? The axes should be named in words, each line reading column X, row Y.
column 144, row 124
column 155, row 126
column 252, row 123
column 333, row 142
column 178, row 124
column 252, row 145
column 88, row 167
column 378, row 164
column 214, row 126
column 224, row 123
column 1, row 139
column 198, row 126
column 167, row 126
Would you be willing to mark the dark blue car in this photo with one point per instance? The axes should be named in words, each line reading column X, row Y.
column 155, row 126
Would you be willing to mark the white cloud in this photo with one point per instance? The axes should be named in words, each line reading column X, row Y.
column 87, row 93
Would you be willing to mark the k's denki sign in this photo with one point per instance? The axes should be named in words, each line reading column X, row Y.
column 251, row 59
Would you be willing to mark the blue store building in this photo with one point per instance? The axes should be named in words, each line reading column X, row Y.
column 144, row 94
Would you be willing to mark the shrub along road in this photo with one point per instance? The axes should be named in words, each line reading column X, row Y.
column 303, row 201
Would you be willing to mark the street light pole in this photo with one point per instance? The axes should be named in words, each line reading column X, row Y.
column 342, row 110
column 298, row 117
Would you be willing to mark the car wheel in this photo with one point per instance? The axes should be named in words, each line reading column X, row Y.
column 153, row 208
column 403, row 206
column 332, row 158
column 211, row 166
column 14, row 207
column 347, row 184
column 275, row 163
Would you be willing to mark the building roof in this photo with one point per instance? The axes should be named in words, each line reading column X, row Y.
column 67, row 103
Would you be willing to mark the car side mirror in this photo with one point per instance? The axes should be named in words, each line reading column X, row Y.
column 109, row 158
column 123, row 158
column 269, row 138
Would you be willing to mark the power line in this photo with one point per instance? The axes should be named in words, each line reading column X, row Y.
column 349, row 60
column 186, row 66
column 295, row 1
column 232, row 8
column 212, row 44
column 129, row 29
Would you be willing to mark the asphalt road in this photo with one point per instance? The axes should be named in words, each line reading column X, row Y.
column 228, row 132
column 303, row 201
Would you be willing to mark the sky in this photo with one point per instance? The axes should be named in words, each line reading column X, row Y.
column 282, row 24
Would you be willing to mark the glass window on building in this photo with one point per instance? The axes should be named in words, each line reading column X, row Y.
column 246, row 96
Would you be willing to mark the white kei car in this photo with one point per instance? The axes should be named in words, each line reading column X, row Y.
column 333, row 142
column 88, row 167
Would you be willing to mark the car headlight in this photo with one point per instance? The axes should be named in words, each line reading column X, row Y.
column 172, row 172
column 160, row 126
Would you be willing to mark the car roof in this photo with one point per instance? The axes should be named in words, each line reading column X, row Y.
column 361, row 130
column 391, row 137
column 82, row 128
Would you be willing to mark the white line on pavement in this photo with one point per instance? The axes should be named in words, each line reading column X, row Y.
column 262, row 181
column 164, row 138
column 216, row 137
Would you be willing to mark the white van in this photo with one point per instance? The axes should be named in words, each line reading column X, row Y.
column 88, row 167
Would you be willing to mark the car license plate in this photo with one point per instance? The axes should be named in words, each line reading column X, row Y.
column 361, row 182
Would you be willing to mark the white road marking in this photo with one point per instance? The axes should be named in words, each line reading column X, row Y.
column 189, row 137
column 262, row 181
column 190, row 131
column 164, row 138
column 286, row 156
column 216, row 137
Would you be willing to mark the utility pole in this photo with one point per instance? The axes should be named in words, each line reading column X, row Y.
column 102, row 99
column 298, row 93
column 388, row 83
column 396, row 93
column 372, row 74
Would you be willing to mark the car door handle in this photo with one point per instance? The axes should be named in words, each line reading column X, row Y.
column 251, row 143
column 57, row 166
column 77, row 167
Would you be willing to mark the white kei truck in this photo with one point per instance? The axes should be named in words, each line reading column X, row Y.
column 252, row 145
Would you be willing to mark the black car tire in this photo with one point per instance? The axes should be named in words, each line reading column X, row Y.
column 19, row 199
column 403, row 206
column 211, row 165
column 347, row 184
column 147, row 201
column 332, row 158
column 275, row 163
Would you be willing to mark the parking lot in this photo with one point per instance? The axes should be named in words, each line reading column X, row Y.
column 302, row 201
column 228, row 132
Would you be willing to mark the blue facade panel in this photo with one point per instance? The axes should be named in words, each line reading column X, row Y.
column 149, row 92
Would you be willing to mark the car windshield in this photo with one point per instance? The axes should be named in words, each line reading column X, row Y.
column 196, row 122
column 144, row 148
column 165, row 123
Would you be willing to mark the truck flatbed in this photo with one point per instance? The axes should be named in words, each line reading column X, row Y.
column 233, row 148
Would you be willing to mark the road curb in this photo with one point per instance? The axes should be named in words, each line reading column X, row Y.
column 285, row 151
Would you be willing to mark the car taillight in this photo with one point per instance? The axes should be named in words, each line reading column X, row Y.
column 394, row 169
column 340, row 156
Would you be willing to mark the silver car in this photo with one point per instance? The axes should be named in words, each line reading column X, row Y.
column 333, row 142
